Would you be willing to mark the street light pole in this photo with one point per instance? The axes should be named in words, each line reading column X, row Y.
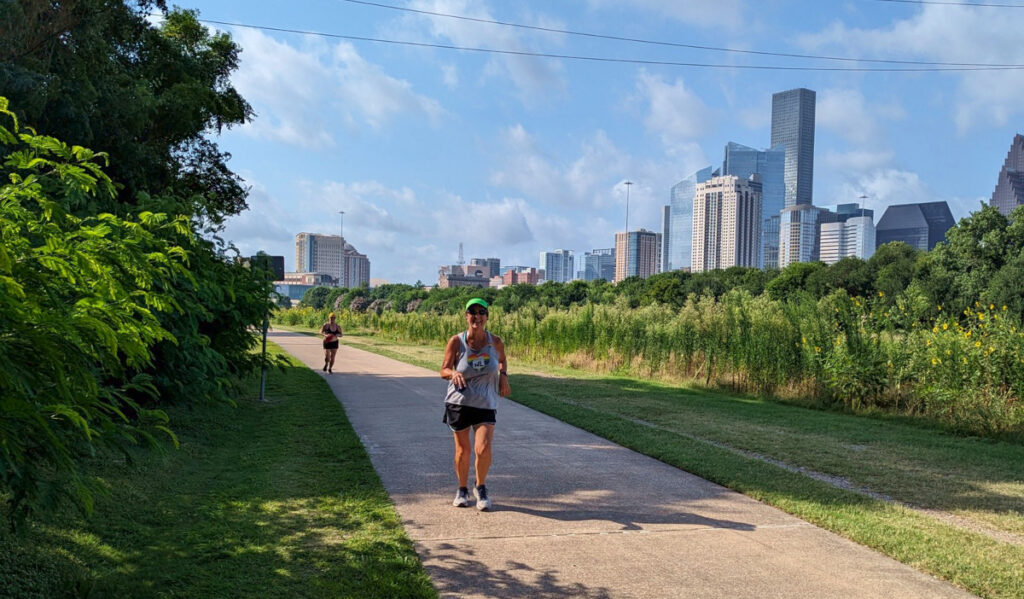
column 341, row 251
column 627, row 184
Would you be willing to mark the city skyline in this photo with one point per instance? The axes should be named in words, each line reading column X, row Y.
column 423, row 148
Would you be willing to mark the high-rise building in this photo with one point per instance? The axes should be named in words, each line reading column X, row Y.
column 800, row 233
column 331, row 255
column 636, row 254
column 919, row 225
column 599, row 264
column 851, row 234
column 793, row 128
column 743, row 161
column 1009, row 191
column 486, row 265
column 727, row 223
column 557, row 265
column 679, row 241
column 666, row 228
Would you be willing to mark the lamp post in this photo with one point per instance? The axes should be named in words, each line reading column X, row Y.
column 341, row 251
column 627, row 184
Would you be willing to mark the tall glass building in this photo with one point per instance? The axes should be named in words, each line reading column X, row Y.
column 743, row 161
column 636, row 254
column 599, row 264
column 681, row 218
column 557, row 265
column 793, row 127
column 919, row 225
column 1009, row 191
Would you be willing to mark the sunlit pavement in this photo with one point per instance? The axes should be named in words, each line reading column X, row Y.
column 575, row 515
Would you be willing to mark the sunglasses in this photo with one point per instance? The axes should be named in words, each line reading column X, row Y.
column 480, row 312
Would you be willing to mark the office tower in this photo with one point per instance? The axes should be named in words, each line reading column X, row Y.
column 681, row 208
column 636, row 254
column 319, row 254
column 1009, row 191
column 742, row 161
column 919, row 225
column 851, row 234
column 357, row 268
column 666, row 228
column 485, row 267
column 793, row 128
column 800, row 233
column 557, row 265
column 599, row 264
column 727, row 223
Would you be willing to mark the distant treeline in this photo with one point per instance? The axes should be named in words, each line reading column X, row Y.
column 981, row 261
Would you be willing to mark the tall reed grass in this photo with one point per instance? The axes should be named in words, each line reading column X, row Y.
column 964, row 370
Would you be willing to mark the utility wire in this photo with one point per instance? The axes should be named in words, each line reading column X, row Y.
column 676, row 44
column 911, row 69
column 939, row 3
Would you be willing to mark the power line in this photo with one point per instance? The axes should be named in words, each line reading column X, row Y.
column 911, row 69
column 940, row 3
column 675, row 44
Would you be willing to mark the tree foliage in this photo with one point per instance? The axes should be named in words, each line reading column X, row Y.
column 78, row 318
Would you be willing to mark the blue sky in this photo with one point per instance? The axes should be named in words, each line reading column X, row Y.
column 424, row 148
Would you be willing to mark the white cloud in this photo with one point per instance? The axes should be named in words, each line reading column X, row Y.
column 856, row 160
column 948, row 34
column 535, row 78
column 888, row 186
column 290, row 88
column 721, row 13
column 675, row 113
column 845, row 112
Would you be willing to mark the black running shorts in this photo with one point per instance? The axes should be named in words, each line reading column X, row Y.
column 459, row 417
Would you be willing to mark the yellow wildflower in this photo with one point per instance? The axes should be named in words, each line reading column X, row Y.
column 935, row 329
column 981, row 316
column 881, row 294
column 977, row 344
column 817, row 349
column 1004, row 307
column 967, row 334
column 991, row 307
column 991, row 349
column 945, row 326
column 949, row 352
column 940, row 308
column 928, row 343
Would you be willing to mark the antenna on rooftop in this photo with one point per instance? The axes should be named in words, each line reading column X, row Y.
column 462, row 259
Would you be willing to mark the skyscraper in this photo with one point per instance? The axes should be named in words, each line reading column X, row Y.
column 681, row 218
column 743, row 161
column 852, row 234
column 333, row 256
column 557, row 265
column 793, row 127
column 920, row 225
column 599, row 264
column 727, row 223
column 1009, row 192
column 666, row 228
column 799, row 233
column 636, row 254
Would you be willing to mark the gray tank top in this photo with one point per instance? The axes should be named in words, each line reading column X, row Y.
column 480, row 369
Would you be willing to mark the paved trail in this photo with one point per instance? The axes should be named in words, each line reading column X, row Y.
column 577, row 516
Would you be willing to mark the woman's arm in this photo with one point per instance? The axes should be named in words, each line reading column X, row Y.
column 504, row 389
column 451, row 356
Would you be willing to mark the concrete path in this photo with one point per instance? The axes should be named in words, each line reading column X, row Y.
column 577, row 516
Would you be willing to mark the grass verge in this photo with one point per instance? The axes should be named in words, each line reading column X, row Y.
column 273, row 499
column 980, row 480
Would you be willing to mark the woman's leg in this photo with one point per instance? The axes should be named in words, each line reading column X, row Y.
column 330, row 354
column 462, row 451
column 327, row 358
column 484, row 436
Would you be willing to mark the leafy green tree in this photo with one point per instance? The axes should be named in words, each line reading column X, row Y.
column 316, row 297
column 892, row 266
column 792, row 280
column 162, row 90
column 78, row 319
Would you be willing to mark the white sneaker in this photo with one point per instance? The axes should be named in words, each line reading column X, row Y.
column 483, row 503
column 461, row 497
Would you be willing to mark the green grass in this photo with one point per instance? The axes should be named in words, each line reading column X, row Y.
column 981, row 480
column 274, row 499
